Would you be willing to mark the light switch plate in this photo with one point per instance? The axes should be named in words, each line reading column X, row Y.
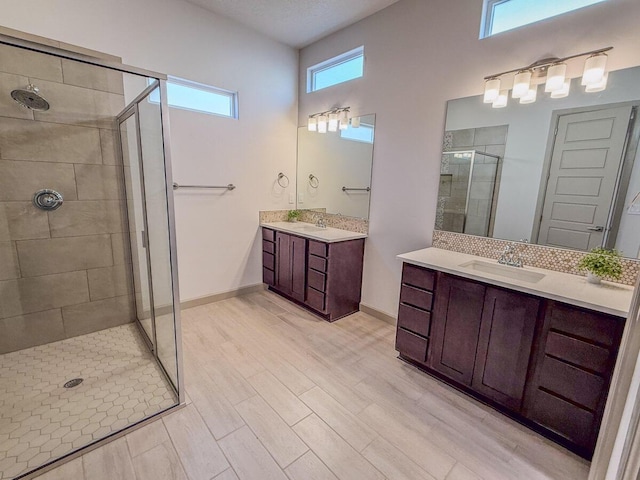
column 301, row 198
column 292, row 198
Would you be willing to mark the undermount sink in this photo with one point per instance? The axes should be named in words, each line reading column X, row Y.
column 515, row 273
column 309, row 228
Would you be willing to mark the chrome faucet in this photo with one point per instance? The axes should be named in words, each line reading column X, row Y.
column 511, row 256
column 319, row 220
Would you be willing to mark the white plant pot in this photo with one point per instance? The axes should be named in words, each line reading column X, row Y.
column 593, row 278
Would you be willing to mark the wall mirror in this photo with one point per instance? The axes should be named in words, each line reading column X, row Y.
column 334, row 169
column 557, row 172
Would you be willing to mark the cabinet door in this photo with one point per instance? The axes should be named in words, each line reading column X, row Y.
column 298, row 252
column 504, row 347
column 283, row 263
column 455, row 327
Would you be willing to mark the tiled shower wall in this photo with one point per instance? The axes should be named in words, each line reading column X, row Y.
column 65, row 272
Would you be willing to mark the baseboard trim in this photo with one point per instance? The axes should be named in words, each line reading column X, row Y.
column 385, row 317
column 196, row 302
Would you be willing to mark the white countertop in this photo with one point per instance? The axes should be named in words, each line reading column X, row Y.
column 611, row 298
column 309, row 230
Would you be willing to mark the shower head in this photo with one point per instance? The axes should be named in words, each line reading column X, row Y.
column 29, row 98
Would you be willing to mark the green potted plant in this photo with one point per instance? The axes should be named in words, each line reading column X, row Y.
column 601, row 263
column 293, row 215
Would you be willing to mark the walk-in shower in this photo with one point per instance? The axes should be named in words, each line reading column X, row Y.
column 89, row 323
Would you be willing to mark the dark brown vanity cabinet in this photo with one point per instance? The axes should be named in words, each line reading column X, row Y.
column 543, row 362
column 324, row 277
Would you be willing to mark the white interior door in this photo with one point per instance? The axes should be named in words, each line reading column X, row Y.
column 584, row 169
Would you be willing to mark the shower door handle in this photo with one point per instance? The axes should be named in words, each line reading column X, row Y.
column 596, row 229
column 144, row 239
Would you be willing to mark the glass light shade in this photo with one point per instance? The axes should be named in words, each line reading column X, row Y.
column 598, row 87
column 322, row 124
column 333, row 122
column 491, row 90
column 502, row 100
column 562, row 92
column 355, row 122
column 530, row 96
column 555, row 77
column 521, row 84
column 344, row 120
column 313, row 124
column 594, row 69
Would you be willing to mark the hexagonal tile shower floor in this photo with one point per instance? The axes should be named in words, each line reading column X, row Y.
column 40, row 420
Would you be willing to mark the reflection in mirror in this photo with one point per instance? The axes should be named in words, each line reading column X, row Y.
column 334, row 169
column 558, row 172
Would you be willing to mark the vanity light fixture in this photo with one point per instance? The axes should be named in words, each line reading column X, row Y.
column 550, row 71
column 329, row 121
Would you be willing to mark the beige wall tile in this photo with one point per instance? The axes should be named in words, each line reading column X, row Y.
column 121, row 248
column 8, row 261
column 110, row 282
column 99, row 182
column 91, row 76
column 8, row 106
column 21, row 220
column 48, row 142
column 20, row 180
column 87, row 218
column 26, row 331
column 30, row 64
column 36, row 294
column 57, row 255
column 79, row 106
column 94, row 316
column 109, row 147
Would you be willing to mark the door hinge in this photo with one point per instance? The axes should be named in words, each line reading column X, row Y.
column 144, row 239
column 555, row 132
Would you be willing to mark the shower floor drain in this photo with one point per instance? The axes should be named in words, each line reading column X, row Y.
column 73, row 383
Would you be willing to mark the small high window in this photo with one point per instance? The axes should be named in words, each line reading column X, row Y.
column 199, row 97
column 502, row 15
column 345, row 67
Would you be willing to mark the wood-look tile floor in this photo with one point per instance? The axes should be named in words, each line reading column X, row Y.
column 276, row 393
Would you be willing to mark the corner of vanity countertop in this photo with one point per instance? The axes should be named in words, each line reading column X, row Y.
column 611, row 298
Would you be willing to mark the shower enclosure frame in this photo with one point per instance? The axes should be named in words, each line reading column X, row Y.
column 161, row 80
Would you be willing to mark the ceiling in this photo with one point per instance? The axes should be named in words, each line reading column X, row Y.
column 297, row 23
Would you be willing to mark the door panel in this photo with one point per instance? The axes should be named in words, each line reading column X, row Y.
column 283, row 263
column 584, row 170
column 298, row 267
column 455, row 327
column 506, row 338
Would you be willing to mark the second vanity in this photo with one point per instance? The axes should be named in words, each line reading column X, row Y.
column 319, row 268
column 538, row 345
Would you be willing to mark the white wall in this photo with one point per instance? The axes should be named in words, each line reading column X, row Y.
column 526, row 148
column 217, row 233
column 419, row 54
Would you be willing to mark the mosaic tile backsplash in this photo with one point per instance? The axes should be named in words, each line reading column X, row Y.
column 340, row 222
column 557, row 259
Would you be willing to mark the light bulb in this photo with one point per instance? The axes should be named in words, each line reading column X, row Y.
column 333, row 122
column 521, row 84
column 594, row 69
column 555, row 77
column 313, row 124
column 530, row 96
column 344, row 120
column 502, row 100
column 562, row 92
column 598, row 87
column 355, row 122
column 491, row 90
column 322, row 124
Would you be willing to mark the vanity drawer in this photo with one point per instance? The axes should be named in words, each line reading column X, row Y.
column 583, row 354
column 418, row 277
column 268, row 261
column 413, row 319
column 318, row 248
column 268, row 276
column 411, row 345
column 416, row 297
column 316, row 280
column 318, row 263
column 268, row 247
column 572, row 383
column 315, row 299
column 268, row 234
column 593, row 326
